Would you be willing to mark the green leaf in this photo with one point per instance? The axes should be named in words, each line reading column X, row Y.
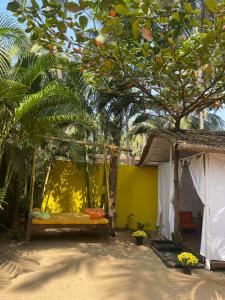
column 211, row 5
column 13, row 6
column 136, row 29
column 83, row 21
column 188, row 7
column 62, row 27
column 34, row 4
column 176, row 16
column 121, row 9
column 72, row 7
column 118, row 28
column 21, row 19
column 106, row 29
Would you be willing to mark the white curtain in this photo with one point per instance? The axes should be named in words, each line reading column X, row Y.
column 166, row 197
column 209, row 179
column 164, row 190
column 216, row 196
column 208, row 176
column 196, row 167
column 198, row 170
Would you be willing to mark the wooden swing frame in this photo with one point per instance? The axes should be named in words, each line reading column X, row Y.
column 107, row 228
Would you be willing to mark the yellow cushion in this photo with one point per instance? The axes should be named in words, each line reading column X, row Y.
column 70, row 219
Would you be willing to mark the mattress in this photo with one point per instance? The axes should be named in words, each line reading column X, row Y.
column 70, row 219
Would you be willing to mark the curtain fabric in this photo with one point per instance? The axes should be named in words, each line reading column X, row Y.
column 164, row 191
column 197, row 167
column 208, row 175
column 216, row 196
column 166, row 212
column 209, row 180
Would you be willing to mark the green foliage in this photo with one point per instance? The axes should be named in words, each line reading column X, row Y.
column 10, row 36
column 133, row 223
column 166, row 55
column 212, row 5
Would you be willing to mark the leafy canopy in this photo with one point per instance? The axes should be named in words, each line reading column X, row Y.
column 167, row 54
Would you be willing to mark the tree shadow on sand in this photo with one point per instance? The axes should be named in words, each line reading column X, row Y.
column 133, row 270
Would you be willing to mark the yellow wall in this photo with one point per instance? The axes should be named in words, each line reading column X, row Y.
column 136, row 192
column 66, row 189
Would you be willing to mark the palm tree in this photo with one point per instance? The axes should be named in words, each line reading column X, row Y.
column 11, row 37
column 115, row 112
column 33, row 105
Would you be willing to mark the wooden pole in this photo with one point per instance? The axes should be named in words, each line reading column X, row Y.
column 31, row 196
column 86, row 143
column 176, row 194
column 46, row 180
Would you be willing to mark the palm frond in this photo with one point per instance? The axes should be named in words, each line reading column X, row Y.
column 10, row 35
column 2, row 198
column 32, row 100
column 58, row 119
column 38, row 66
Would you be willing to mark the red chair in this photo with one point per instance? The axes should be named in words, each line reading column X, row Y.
column 186, row 221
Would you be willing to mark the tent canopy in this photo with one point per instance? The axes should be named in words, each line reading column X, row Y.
column 204, row 154
column 190, row 142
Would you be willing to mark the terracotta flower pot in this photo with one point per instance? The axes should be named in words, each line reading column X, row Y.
column 139, row 240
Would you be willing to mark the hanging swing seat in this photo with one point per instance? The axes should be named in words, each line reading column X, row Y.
column 80, row 221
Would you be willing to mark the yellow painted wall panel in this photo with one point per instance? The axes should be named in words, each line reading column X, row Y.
column 136, row 191
column 66, row 189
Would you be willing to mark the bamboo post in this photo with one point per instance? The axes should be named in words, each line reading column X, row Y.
column 85, row 143
column 107, row 187
column 46, row 180
column 31, row 196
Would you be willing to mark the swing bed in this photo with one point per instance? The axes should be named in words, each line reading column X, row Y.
column 79, row 221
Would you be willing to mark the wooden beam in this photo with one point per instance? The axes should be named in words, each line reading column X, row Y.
column 86, row 143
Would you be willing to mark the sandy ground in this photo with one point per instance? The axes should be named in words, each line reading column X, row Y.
column 71, row 266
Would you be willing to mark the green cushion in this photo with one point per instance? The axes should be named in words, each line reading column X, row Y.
column 40, row 215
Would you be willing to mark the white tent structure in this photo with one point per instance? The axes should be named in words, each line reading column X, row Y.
column 201, row 175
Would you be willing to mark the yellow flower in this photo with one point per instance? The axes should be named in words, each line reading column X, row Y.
column 187, row 258
column 139, row 233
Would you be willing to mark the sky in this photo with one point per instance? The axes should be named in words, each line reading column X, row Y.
column 3, row 5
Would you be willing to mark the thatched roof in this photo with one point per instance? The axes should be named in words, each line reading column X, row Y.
column 157, row 148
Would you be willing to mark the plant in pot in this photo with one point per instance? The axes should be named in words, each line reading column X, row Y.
column 188, row 261
column 140, row 235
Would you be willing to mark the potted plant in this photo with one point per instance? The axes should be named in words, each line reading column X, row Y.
column 140, row 235
column 188, row 260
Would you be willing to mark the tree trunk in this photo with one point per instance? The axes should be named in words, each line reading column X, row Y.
column 127, row 135
column 113, row 189
column 105, row 186
column 87, row 178
column 17, row 200
column 177, row 124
